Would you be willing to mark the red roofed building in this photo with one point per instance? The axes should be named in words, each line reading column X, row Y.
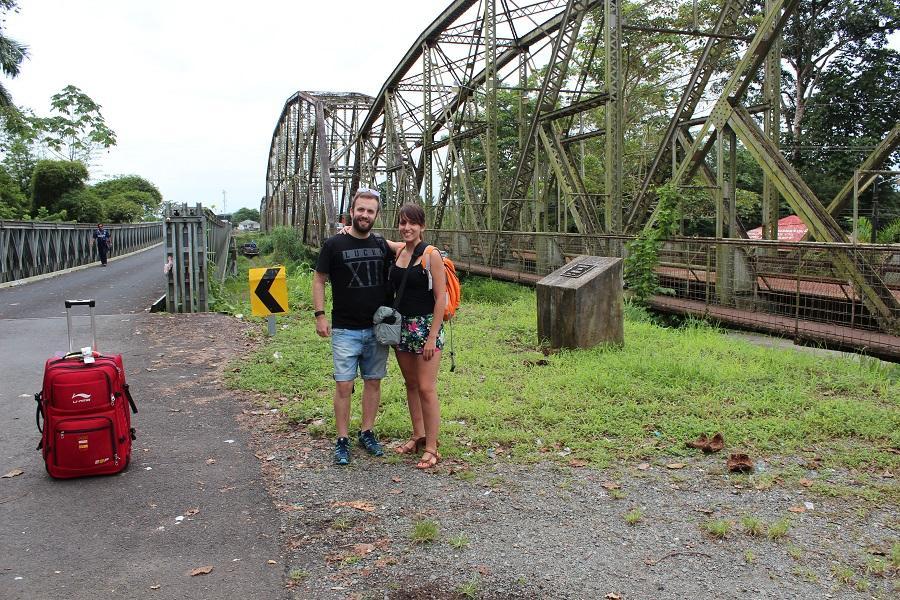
column 790, row 229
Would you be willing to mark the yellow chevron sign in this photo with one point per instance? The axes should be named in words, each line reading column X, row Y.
column 268, row 291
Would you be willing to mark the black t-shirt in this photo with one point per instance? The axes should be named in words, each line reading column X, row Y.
column 356, row 269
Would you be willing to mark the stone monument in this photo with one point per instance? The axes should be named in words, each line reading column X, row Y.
column 580, row 305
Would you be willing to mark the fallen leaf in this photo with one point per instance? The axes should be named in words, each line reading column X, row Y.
column 797, row 509
column 611, row 485
column 202, row 571
column 395, row 491
column 357, row 504
column 611, row 596
column 577, row 462
column 643, row 466
column 191, row 512
column 363, row 549
column 13, row 473
column 806, row 482
column 383, row 543
column 271, row 562
column 483, row 570
column 396, row 479
column 676, row 466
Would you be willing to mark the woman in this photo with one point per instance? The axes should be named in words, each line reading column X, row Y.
column 422, row 331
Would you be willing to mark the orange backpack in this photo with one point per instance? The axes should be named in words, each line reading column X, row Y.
column 454, row 291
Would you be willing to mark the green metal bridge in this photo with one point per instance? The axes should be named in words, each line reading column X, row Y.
column 492, row 115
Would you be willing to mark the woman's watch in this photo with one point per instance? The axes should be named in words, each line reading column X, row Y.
column 319, row 313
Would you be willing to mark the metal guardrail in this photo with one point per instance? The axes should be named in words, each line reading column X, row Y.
column 30, row 248
column 793, row 289
column 194, row 237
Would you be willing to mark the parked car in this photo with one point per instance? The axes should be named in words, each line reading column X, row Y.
column 250, row 249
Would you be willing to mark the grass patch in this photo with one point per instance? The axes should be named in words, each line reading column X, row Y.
column 298, row 575
column 779, row 529
column 794, row 551
column 895, row 555
column 341, row 524
column 604, row 404
column 843, row 574
column 749, row 557
column 469, row 589
column 634, row 516
column 466, row 475
column 424, row 532
column 752, row 526
column 459, row 541
column 719, row 528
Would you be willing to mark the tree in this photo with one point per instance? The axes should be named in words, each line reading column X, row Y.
column 13, row 203
column 83, row 205
column 119, row 209
column 78, row 130
column 52, row 179
column 12, row 53
column 823, row 34
column 245, row 214
column 134, row 189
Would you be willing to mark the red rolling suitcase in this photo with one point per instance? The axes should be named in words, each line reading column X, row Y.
column 84, row 405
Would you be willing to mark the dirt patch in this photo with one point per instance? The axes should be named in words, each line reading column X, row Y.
column 553, row 531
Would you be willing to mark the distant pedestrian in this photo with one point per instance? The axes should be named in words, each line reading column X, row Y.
column 104, row 244
column 355, row 265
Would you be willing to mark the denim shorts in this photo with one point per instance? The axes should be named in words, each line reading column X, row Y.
column 357, row 349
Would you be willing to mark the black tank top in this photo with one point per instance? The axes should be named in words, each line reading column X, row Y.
column 417, row 300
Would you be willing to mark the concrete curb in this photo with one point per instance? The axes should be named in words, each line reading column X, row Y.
column 18, row 282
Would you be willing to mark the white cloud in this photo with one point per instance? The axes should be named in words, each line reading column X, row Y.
column 193, row 88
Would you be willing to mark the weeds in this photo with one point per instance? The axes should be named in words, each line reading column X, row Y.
column 842, row 573
column 466, row 475
column 876, row 566
column 795, row 552
column 895, row 555
column 753, row 526
column 617, row 494
column 459, row 541
column 424, row 532
column 634, row 516
column 341, row 524
column 719, row 528
column 749, row 557
column 469, row 589
column 806, row 574
column 779, row 529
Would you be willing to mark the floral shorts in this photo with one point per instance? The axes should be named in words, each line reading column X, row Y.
column 414, row 334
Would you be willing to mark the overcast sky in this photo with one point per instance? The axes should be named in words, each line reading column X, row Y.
column 193, row 88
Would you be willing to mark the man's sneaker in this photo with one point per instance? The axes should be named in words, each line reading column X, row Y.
column 368, row 441
column 342, row 451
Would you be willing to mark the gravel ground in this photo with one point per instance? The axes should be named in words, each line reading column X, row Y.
column 559, row 531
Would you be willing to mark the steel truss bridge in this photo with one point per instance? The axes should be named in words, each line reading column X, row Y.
column 490, row 118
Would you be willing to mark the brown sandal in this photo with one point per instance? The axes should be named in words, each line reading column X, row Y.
column 429, row 460
column 411, row 445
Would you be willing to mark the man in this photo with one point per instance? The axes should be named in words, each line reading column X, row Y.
column 354, row 264
column 101, row 236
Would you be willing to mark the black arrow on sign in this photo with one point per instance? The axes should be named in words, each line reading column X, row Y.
column 262, row 291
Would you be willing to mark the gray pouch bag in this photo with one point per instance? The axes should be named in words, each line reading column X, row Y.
column 387, row 325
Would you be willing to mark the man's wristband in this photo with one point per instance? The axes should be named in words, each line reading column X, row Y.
column 319, row 313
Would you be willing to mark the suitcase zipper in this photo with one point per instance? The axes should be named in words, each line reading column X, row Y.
column 109, row 386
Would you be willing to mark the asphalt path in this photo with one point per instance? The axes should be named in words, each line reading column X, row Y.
column 119, row 536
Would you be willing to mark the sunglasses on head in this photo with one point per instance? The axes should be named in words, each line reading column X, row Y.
column 368, row 191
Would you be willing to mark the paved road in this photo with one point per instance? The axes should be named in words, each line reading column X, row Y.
column 117, row 536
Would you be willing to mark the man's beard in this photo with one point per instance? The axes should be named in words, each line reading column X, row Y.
column 360, row 226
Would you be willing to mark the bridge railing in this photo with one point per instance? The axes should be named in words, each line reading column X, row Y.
column 30, row 248
column 794, row 289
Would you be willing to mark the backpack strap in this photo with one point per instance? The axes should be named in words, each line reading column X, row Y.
column 428, row 251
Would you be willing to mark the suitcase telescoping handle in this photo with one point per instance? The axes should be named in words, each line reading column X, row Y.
column 91, row 304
